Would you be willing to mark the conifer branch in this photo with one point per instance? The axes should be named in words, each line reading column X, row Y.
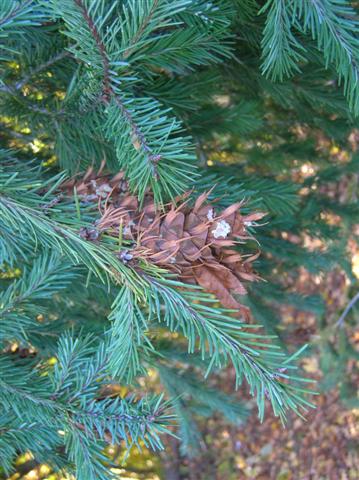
column 107, row 88
column 78, row 411
column 64, row 239
column 111, row 253
column 334, row 24
column 40, row 68
column 221, row 337
column 145, row 21
column 17, row 10
column 108, row 92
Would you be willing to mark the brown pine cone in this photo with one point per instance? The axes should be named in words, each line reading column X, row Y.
column 195, row 241
column 94, row 186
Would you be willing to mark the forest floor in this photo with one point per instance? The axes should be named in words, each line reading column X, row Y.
column 322, row 447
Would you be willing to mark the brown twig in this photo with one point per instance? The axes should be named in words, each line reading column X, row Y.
column 107, row 88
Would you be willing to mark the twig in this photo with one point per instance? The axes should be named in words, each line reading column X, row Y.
column 41, row 67
column 107, row 88
column 347, row 309
column 18, row 85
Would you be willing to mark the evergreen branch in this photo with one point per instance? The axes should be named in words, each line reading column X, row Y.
column 148, row 146
column 143, row 24
column 15, row 18
column 72, row 355
column 86, row 455
column 33, row 222
column 141, row 75
column 146, row 19
column 19, row 10
column 126, row 336
column 183, row 50
column 280, row 49
column 97, row 414
column 27, row 396
column 17, row 435
column 334, row 24
column 87, row 420
column 108, row 92
column 107, row 89
column 176, row 39
column 166, row 166
column 221, row 338
column 47, row 276
column 40, row 68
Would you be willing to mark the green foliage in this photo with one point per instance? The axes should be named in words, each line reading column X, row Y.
column 63, row 402
column 281, row 50
column 331, row 23
column 171, row 93
column 19, row 307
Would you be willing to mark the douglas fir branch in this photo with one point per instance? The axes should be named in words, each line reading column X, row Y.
column 163, row 172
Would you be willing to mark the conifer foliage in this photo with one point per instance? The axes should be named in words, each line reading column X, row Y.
column 129, row 254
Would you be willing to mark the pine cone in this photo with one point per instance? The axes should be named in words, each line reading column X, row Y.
column 193, row 241
column 95, row 186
